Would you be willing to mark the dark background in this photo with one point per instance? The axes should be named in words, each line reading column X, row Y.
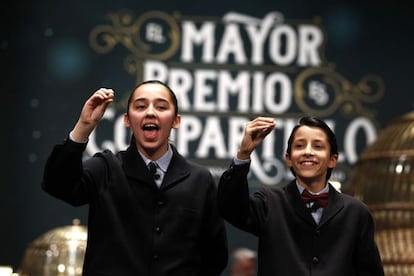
column 42, row 93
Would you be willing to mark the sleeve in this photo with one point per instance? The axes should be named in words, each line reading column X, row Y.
column 63, row 175
column 368, row 258
column 234, row 200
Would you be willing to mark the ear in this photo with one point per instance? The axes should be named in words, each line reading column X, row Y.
column 288, row 160
column 333, row 161
column 127, row 123
column 176, row 122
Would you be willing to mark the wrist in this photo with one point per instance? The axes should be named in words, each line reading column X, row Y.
column 78, row 139
column 243, row 155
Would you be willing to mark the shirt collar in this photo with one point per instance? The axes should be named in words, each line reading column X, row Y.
column 324, row 190
column 163, row 162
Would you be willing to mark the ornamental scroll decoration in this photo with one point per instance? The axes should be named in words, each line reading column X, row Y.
column 322, row 91
column 128, row 31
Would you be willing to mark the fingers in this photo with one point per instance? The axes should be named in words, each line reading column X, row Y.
column 255, row 131
column 95, row 106
column 100, row 99
column 104, row 94
column 262, row 125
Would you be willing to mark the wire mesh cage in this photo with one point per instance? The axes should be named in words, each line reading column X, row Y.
column 384, row 179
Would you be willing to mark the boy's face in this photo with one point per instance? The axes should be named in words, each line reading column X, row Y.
column 151, row 116
column 310, row 157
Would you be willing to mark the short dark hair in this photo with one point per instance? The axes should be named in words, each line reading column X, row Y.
column 172, row 94
column 313, row 121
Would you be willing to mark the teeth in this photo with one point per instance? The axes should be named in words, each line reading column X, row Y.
column 150, row 127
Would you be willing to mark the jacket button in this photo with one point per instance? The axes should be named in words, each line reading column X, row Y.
column 158, row 229
column 227, row 174
column 155, row 257
column 315, row 260
column 160, row 202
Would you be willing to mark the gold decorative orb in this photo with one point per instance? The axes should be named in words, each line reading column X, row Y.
column 58, row 252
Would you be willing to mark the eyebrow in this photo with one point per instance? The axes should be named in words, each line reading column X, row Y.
column 312, row 140
column 156, row 100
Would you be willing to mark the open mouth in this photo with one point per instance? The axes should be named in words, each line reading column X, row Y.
column 150, row 127
column 150, row 131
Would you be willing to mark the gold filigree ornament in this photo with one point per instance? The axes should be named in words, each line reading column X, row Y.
column 322, row 91
column 154, row 35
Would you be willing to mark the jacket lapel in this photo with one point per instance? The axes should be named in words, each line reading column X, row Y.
column 335, row 204
column 297, row 203
column 135, row 167
column 177, row 170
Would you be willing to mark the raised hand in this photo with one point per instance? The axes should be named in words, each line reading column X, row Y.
column 254, row 133
column 92, row 113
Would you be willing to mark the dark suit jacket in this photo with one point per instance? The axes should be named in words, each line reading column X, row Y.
column 134, row 227
column 290, row 242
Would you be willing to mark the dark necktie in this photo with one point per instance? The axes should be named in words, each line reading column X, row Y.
column 153, row 170
column 320, row 200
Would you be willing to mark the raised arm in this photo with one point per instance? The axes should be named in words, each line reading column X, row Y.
column 63, row 172
column 233, row 188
